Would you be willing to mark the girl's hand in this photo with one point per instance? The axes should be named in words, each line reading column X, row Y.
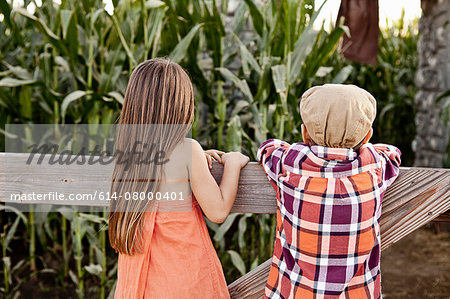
column 215, row 200
column 235, row 157
column 213, row 154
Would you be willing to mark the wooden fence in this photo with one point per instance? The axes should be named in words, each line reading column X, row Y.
column 418, row 196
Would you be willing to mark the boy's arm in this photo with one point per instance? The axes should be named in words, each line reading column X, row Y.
column 269, row 156
column 391, row 160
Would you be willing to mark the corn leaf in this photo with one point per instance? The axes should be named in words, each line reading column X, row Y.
column 12, row 82
column 71, row 97
column 237, row 261
column 180, row 50
column 257, row 18
column 343, row 74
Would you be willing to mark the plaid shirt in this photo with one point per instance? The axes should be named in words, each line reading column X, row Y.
column 329, row 205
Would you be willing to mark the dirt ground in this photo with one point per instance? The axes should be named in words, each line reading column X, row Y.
column 417, row 266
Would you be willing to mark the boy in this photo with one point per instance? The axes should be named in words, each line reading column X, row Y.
column 329, row 194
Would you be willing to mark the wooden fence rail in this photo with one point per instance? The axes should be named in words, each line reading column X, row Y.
column 418, row 196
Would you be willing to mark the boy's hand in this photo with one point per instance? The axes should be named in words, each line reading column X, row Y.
column 235, row 157
column 213, row 154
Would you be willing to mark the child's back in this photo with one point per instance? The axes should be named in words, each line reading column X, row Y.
column 161, row 183
column 178, row 257
column 329, row 200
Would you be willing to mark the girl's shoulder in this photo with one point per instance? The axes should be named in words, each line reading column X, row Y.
column 190, row 144
column 190, row 147
column 186, row 151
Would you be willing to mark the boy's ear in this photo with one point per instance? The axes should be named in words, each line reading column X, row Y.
column 305, row 135
column 368, row 136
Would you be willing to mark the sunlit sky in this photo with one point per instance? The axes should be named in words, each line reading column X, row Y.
column 389, row 10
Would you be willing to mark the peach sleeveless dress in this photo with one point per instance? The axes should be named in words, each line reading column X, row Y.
column 179, row 260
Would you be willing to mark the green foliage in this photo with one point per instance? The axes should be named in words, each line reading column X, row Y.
column 392, row 84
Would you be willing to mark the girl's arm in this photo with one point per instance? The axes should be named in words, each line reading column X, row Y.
column 215, row 200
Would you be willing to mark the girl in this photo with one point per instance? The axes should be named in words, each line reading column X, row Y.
column 164, row 247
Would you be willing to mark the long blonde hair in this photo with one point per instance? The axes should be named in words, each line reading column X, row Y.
column 158, row 104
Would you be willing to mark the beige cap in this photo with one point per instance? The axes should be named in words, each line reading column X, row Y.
column 337, row 115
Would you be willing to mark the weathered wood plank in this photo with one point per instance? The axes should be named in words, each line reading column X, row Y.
column 16, row 176
column 251, row 285
column 255, row 193
column 444, row 217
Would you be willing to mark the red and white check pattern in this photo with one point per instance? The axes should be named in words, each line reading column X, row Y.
column 329, row 205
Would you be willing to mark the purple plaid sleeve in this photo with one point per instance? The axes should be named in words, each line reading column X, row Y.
column 390, row 156
column 269, row 155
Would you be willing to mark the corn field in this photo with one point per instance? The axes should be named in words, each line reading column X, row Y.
column 70, row 63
